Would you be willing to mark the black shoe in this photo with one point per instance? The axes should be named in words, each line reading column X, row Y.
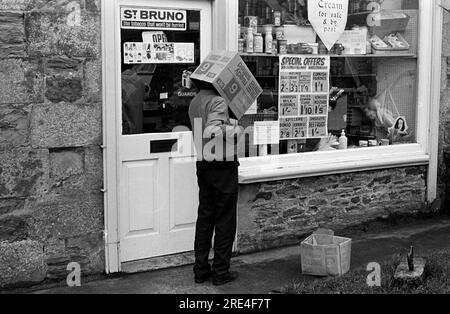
column 224, row 279
column 202, row 279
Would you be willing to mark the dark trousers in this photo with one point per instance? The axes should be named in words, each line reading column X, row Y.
column 218, row 184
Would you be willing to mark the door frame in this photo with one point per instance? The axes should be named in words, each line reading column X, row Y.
column 224, row 18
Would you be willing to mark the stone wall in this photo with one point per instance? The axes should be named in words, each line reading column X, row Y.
column 51, row 207
column 444, row 131
column 280, row 213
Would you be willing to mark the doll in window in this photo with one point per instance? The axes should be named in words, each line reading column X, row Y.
column 399, row 133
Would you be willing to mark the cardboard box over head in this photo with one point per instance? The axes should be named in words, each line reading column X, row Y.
column 232, row 79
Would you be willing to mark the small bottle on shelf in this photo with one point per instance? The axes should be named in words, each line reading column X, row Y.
column 250, row 41
column 343, row 141
column 268, row 39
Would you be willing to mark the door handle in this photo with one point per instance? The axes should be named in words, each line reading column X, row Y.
column 163, row 146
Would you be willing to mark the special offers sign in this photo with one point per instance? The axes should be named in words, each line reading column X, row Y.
column 304, row 96
column 153, row 18
column 328, row 17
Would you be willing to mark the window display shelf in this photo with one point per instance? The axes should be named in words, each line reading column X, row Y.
column 244, row 54
column 392, row 55
column 353, row 75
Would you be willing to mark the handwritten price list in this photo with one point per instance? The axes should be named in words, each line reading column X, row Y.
column 304, row 96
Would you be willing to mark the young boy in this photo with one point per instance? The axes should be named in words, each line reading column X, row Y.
column 217, row 174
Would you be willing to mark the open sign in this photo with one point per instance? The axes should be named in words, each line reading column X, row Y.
column 154, row 37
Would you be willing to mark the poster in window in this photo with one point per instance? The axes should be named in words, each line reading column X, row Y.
column 165, row 52
column 266, row 133
column 304, row 96
column 153, row 18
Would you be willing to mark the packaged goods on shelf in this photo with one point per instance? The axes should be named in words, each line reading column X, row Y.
column 392, row 43
column 354, row 41
column 390, row 22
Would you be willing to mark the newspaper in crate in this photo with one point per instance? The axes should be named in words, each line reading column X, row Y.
column 165, row 52
column 153, row 18
column 304, row 96
column 324, row 254
column 328, row 18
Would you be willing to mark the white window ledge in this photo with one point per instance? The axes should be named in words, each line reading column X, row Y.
column 283, row 167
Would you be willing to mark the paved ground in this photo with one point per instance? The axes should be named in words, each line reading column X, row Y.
column 266, row 272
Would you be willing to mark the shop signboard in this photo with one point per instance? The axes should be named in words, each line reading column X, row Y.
column 153, row 18
column 232, row 79
column 304, row 96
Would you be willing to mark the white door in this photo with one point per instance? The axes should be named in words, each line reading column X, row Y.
column 158, row 189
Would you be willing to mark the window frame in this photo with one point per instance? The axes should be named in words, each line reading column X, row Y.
column 423, row 152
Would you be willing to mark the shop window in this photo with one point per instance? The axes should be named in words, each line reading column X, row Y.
column 156, row 62
column 372, row 74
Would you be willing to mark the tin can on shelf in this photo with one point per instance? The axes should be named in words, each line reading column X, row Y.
column 282, row 47
column 274, row 47
column 277, row 18
column 259, row 43
column 251, row 22
column 279, row 33
column 241, row 45
column 268, row 44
